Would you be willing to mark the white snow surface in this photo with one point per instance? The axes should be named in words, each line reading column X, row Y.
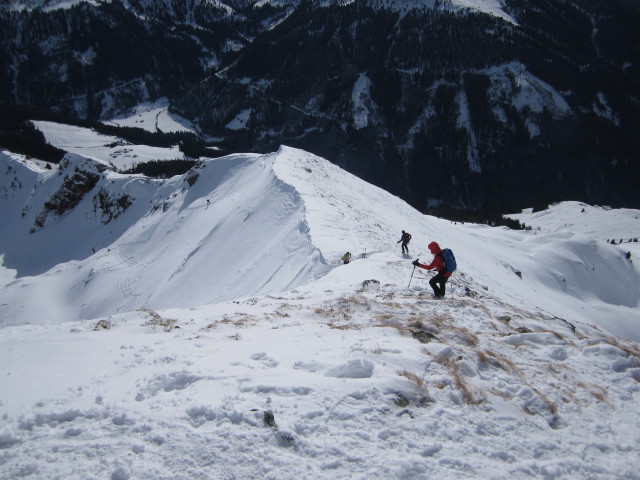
column 209, row 332
column 153, row 117
column 113, row 150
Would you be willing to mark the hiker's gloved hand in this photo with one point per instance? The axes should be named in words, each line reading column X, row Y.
column 416, row 263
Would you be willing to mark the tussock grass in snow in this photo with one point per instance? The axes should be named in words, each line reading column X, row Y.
column 102, row 324
column 157, row 320
column 419, row 382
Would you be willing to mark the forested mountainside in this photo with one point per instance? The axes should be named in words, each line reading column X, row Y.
column 438, row 105
column 97, row 60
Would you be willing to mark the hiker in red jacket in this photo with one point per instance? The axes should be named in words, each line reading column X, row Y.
column 440, row 279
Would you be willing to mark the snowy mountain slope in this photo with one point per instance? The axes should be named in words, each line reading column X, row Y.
column 169, row 249
column 603, row 223
column 569, row 274
column 173, row 231
column 113, row 150
column 123, row 364
column 494, row 392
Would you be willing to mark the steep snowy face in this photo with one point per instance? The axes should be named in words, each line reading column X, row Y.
column 226, row 229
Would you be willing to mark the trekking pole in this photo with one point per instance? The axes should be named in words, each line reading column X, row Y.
column 414, row 269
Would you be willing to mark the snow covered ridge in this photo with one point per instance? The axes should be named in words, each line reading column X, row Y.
column 192, row 232
column 248, row 225
column 209, row 331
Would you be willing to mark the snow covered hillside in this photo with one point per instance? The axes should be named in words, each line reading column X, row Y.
column 202, row 327
column 116, row 152
column 154, row 117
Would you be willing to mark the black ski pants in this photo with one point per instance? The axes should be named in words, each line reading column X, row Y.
column 405, row 248
column 438, row 284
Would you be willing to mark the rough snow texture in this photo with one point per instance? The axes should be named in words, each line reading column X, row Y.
column 125, row 363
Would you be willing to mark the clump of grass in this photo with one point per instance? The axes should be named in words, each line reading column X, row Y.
column 401, row 328
column 238, row 319
column 394, row 305
column 102, row 325
column 342, row 327
column 503, row 362
column 459, row 382
column 553, row 408
column 341, row 309
column 599, row 393
column 158, row 321
column 414, row 378
column 464, row 336
column 631, row 350
column 439, row 320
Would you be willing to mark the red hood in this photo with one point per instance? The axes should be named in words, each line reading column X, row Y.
column 434, row 248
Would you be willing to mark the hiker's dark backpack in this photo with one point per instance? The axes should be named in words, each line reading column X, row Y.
column 449, row 260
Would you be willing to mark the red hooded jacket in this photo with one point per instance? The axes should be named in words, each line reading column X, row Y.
column 438, row 262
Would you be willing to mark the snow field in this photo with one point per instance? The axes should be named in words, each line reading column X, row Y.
column 209, row 331
column 496, row 391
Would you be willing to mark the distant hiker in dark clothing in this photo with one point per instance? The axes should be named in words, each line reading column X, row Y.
column 405, row 238
column 437, row 282
column 346, row 258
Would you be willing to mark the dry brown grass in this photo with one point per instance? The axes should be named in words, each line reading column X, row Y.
column 553, row 408
column 343, row 327
column 483, row 358
column 459, row 381
column 238, row 319
column 415, row 379
column 504, row 363
column 629, row 349
column 438, row 320
column 400, row 327
column 102, row 325
column 464, row 336
column 394, row 305
column 599, row 393
column 158, row 321
column 500, row 393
